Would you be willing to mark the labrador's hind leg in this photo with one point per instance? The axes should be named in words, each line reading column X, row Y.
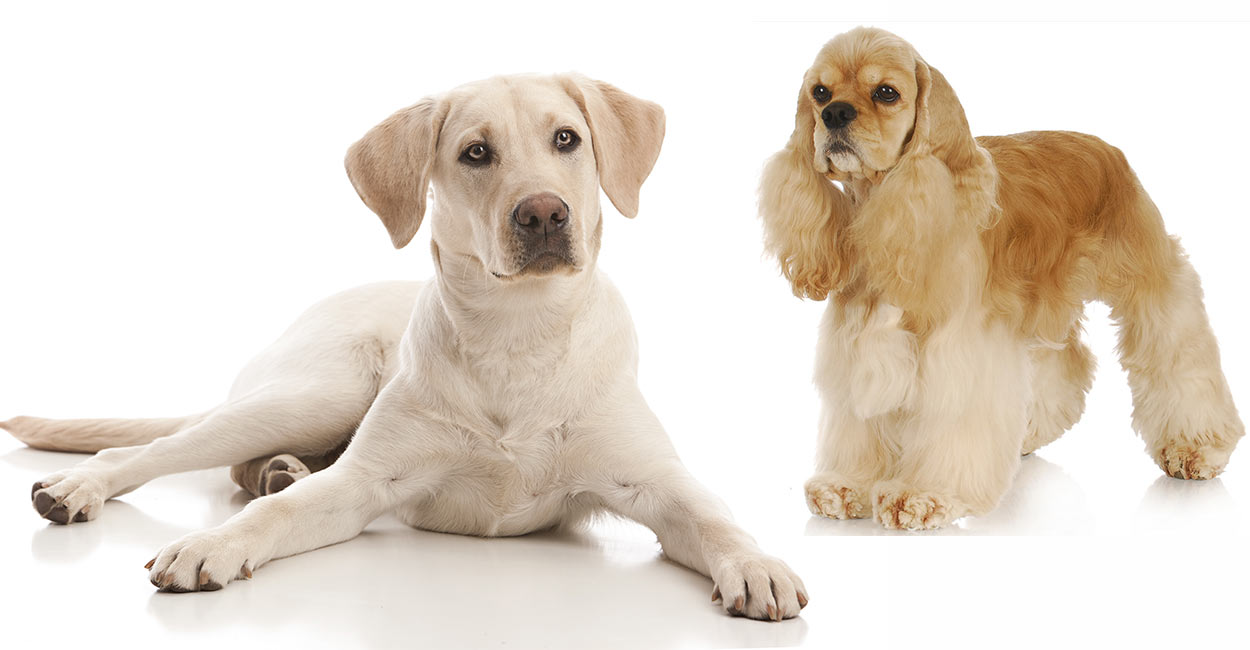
column 303, row 421
column 272, row 474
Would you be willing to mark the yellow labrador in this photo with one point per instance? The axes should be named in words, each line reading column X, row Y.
column 499, row 398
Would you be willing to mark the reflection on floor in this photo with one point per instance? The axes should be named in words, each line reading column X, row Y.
column 608, row 586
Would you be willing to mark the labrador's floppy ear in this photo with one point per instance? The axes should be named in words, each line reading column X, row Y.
column 390, row 166
column 626, row 133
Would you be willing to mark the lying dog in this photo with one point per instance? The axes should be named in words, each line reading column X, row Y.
column 498, row 399
column 958, row 269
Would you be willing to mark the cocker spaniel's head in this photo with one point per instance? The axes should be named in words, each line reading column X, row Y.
column 867, row 98
column 858, row 102
column 873, row 115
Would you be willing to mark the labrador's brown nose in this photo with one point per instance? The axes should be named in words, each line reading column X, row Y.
column 541, row 213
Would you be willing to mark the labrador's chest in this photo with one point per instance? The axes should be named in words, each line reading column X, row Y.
column 509, row 480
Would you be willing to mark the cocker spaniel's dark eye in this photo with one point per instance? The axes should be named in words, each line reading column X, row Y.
column 821, row 94
column 885, row 94
column 476, row 155
column 567, row 140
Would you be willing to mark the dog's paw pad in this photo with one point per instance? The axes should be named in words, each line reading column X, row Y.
column 72, row 498
column 278, row 481
column 281, row 472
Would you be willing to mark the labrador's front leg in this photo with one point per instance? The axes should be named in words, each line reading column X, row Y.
column 645, row 481
column 325, row 508
column 696, row 529
column 391, row 460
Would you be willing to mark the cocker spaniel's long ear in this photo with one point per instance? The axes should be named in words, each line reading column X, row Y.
column 626, row 133
column 390, row 166
column 941, row 126
column 918, row 225
column 803, row 212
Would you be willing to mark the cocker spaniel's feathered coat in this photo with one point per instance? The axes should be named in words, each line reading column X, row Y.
column 957, row 269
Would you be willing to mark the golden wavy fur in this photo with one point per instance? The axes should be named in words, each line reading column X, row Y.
column 957, row 270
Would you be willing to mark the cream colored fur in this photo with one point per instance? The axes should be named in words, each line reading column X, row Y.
column 497, row 399
column 956, row 270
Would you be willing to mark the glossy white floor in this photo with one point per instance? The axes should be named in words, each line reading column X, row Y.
column 173, row 197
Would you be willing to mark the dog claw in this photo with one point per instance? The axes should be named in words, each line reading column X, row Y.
column 247, row 573
column 150, row 563
column 208, row 584
column 802, row 599
column 716, row 594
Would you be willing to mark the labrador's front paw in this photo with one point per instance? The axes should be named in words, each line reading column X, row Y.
column 202, row 561
column 758, row 586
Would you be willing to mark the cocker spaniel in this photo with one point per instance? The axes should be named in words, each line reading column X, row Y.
column 957, row 269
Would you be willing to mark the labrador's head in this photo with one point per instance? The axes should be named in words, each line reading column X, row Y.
column 516, row 164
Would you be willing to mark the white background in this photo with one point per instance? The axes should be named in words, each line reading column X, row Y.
column 172, row 195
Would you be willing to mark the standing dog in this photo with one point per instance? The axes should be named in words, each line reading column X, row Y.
column 958, row 270
column 498, row 399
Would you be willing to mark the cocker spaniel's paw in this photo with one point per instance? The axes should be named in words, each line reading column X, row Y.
column 828, row 495
column 71, row 496
column 1190, row 460
column 202, row 561
column 758, row 586
column 897, row 506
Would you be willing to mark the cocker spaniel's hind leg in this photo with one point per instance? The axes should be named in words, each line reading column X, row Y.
column 1182, row 406
column 1061, row 378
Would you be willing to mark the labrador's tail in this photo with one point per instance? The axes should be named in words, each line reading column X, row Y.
column 92, row 435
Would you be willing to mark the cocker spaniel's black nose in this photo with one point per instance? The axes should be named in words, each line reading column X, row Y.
column 838, row 115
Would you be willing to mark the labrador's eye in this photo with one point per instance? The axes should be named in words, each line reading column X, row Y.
column 821, row 94
column 566, row 139
column 885, row 94
column 476, row 154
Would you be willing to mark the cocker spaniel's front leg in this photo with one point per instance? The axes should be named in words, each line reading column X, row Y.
column 866, row 374
column 960, row 444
